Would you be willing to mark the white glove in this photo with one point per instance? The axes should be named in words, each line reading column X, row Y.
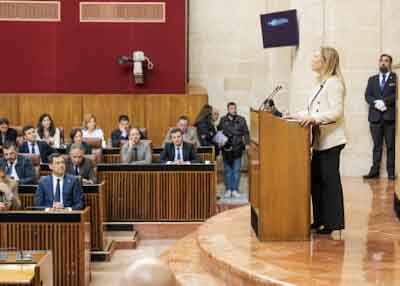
column 380, row 105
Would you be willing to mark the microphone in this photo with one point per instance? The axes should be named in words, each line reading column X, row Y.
column 269, row 102
column 279, row 89
column 269, row 96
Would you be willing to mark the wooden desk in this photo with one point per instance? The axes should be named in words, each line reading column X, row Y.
column 94, row 198
column 38, row 272
column 66, row 234
column 112, row 155
column 159, row 192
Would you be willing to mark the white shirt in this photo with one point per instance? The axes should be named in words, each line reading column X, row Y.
column 13, row 171
column 56, row 138
column 381, row 77
column 55, row 186
column 180, row 150
column 97, row 133
column 33, row 146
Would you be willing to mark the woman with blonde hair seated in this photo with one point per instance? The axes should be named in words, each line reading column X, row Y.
column 9, row 199
column 90, row 129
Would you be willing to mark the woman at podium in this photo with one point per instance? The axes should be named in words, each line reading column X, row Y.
column 325, row 114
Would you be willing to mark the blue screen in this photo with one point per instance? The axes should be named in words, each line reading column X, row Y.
column 280, row 29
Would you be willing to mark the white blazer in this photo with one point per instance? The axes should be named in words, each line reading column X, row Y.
column 328, row 110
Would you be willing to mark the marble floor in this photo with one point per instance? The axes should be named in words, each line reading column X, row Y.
column 367, row 253
column 224, row 250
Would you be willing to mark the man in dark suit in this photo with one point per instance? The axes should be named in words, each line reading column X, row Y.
column 32, row 146
column 122, row 133
column 17, row 167
column 80, row 166
column 7, row 134
column 381, row 97
column 178, row 152
column 59, row 190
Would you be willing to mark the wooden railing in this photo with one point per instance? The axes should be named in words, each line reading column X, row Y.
column 67, row 235
column 159, row 192
column 94, row 198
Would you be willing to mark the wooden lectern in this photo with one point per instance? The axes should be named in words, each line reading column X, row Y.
column 279, row 178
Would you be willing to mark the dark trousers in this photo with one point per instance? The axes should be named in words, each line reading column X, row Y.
column 326, row 188
column 380, row 130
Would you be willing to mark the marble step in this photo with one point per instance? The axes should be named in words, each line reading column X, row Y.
column 184, row 260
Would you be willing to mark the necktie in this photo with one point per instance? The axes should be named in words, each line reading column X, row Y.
column 33, row 149
column 178, row 156
column 57, row 197
column 135, row 154
column 9, row 169
column 76, row 171
column 383, row 81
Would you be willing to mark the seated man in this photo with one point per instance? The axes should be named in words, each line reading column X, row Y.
column 7, row 134
column 189, row 133
column 135, row 151
column 78, row 165
column 32, row 146
column 59, row 190
column 178, row 152
column 9, row 199
column 17, row 166
column 122, row 132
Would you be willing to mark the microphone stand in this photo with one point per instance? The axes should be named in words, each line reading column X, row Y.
column 269, row 102
column 275, row 91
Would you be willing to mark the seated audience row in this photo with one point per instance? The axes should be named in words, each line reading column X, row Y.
column 199, row 135
column 20, row 168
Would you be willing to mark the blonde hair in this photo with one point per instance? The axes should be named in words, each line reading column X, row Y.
column 331, row 65
column 86, row 120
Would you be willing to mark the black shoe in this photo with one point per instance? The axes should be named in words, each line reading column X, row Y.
column 371, row 176
column 392, row 178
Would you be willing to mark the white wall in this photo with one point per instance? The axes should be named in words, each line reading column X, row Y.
column 226, row 56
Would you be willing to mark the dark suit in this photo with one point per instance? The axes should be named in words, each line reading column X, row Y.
column 188, row 153
column 116, row 137
column 86, row 146
column 71, row 193
column 44, row 149
column 24, row 168
column 86, row 170
column 11, row 136
column 382, row 124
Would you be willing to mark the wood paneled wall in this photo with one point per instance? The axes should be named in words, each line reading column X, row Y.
column 155, row 112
